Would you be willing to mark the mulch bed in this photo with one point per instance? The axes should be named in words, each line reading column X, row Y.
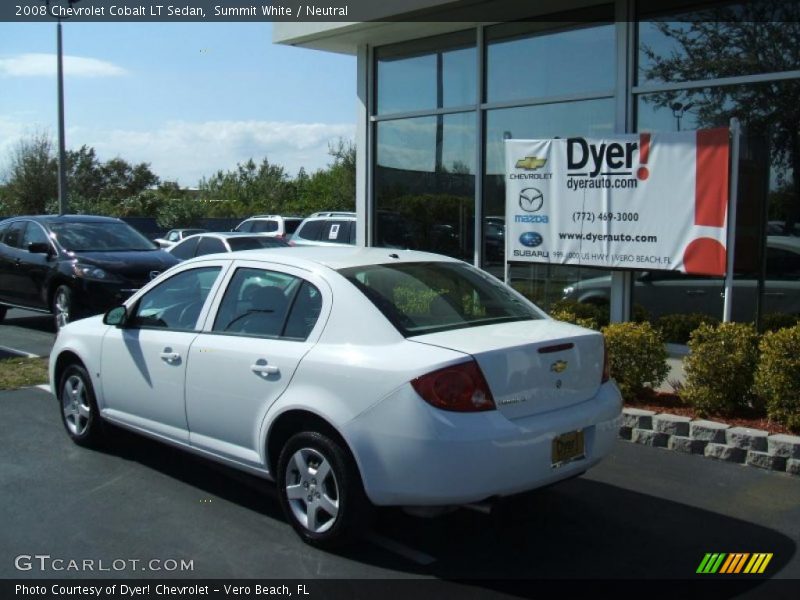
column 661, row 402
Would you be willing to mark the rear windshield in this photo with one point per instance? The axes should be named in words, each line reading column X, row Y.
column 291, row 225
column 427, row 297
column 254, row 243
column 99, row 237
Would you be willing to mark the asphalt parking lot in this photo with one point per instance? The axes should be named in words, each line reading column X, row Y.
column 26, row 332
column 643, row 513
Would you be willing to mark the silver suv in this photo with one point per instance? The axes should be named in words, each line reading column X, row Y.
column 327, row 229
column 272, row 225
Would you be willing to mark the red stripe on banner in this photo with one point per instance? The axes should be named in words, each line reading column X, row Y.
column 644, row 147
column 711, row 187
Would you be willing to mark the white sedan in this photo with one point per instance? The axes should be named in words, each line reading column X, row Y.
column 349, row 376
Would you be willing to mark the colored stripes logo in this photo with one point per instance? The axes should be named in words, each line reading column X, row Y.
column 734, row 564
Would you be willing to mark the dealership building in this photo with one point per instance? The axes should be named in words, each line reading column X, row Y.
column 442, row 85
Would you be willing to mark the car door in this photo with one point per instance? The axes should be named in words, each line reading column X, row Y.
column 260, row 329
column 34, row 266
column 143, row 363
column 11, row 275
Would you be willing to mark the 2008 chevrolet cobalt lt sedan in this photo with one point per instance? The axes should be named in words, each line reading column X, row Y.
column 351, row 377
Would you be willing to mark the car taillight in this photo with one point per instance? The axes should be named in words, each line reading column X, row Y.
column 606, row 367
column 460, row 388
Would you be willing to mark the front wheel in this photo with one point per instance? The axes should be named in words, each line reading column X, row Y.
column 79, row 412
column 63, row 306
column 320, row 490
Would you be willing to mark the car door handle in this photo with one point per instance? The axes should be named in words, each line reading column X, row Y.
column 695, row 292
column 169, row 356
column 262, row 368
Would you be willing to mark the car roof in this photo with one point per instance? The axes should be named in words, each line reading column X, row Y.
column 68, row 218
column 228, row 234
column 309, row 257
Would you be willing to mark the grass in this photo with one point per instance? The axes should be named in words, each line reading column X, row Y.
column 22, row 372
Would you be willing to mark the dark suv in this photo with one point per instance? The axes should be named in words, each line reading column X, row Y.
column 73, row 266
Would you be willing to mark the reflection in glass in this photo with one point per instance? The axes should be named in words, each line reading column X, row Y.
column 551, row 63
column 434, row 76
column 425, row 184
column 766, row 284
column 744, row 38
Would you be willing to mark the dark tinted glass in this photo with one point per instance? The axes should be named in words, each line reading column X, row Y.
column 305, row 312
column 99, row 237
column 210, row 245
column 185, row 249
column 291, row 225
column 13, row 236
column 254, row 243
column 264, row 226
column 312, row 230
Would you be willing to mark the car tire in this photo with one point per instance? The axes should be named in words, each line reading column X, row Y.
column 78, row 405
column 327, row 512
column 63, row 306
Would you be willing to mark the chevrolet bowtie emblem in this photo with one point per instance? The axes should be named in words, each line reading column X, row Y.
column 559, row 366
column 530, row 163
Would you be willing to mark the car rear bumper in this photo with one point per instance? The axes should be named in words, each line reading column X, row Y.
column 412, row 454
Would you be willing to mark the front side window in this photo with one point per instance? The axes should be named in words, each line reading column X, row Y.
column 420, row 298
column 176, row 303
column 262, row 303
column 34, row 234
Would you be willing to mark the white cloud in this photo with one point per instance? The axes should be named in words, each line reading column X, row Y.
column 44, row 65
column 186, row 151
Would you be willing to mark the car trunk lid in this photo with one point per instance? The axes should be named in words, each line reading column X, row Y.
column 531, row 366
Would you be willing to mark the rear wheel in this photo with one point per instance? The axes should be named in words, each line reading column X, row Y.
column 79, row 412
column 320, row 490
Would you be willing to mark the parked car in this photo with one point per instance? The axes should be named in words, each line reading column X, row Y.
column 231, row 241
column 273, row 225
column 174, row 236
column 73, row 265
column 326, row 229
column 351, row 377
column 667, row 292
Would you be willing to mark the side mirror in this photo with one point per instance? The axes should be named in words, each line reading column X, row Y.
column 39, row 248
column 116, row 316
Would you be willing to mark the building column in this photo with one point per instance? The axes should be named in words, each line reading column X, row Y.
column 364, row 201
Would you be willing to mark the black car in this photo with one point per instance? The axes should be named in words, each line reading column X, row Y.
column 73, row 266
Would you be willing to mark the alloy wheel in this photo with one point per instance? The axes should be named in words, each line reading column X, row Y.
column 312, row 490
column 75, row 404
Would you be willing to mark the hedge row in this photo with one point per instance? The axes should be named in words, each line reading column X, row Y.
column 731, row 369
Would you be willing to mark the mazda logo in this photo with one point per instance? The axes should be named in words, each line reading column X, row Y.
column 531, row 200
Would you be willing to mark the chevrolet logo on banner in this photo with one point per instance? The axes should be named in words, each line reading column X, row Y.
column 530, row 163
column 734, row 564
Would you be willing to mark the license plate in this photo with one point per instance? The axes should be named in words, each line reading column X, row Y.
column 567, row 447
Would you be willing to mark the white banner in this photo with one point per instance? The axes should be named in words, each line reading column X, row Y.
column 641, row 201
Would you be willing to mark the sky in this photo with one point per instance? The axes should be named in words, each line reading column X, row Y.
column 188, row 98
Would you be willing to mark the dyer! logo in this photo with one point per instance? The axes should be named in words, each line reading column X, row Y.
column 531, row 200
column 531, row 239
column 614, row 159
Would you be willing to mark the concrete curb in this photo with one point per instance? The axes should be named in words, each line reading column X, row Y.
column 752, row 447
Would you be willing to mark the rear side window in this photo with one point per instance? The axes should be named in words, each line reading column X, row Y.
column 185, row 249
column 337, row 232
column 262, row 303
column 264, row 226
column 210, row 245
column 13, row 236
column 420, row 298
column 246, row 226
column 312, row 230
column 291, row 225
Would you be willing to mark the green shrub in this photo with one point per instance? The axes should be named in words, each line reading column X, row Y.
column 677, row 328
column 777, row 378
column 720, row 368
column 637, row 357
column 571, row 317
column 582, row 310
column 639, row 314
column 776, row 321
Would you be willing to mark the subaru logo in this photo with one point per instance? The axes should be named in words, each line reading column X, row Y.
column 531, row 239
column 154, row 274
column 531, row 199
